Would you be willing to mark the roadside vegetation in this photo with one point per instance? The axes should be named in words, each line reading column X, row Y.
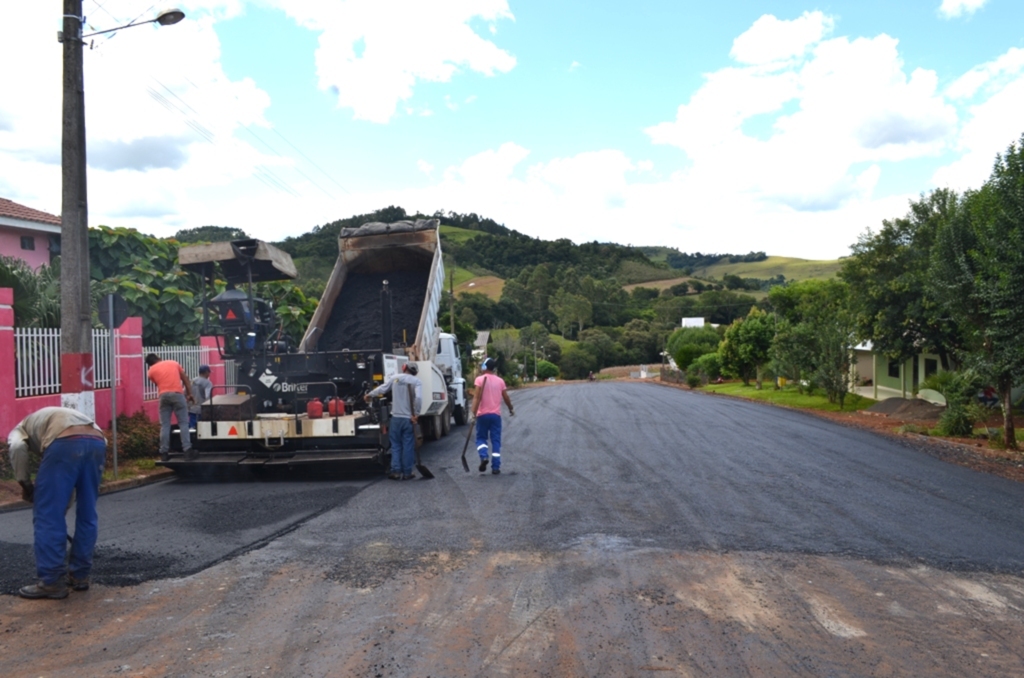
column 946, row 278
column 791, row 396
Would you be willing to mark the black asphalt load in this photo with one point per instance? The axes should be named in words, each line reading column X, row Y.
column 180, row 527
column 613, row 465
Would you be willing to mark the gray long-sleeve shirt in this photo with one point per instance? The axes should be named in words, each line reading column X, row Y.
column 399, row 385
column 37, row 431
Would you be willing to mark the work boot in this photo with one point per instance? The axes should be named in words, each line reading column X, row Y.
column 495, row 471
column 78, row 584
column 408, row 476
column 483, row 464
column 165, row 456
column 56, row 590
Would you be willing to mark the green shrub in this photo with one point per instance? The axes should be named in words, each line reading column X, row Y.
column 137, row 436
column 956, row 421
column 6, row 472
column 546, row 370
column 708, row 364
column 693, row 379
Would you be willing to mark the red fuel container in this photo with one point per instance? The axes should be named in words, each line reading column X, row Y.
column 314, row 409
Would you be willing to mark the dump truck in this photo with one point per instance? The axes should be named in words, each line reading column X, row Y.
column 303, row 404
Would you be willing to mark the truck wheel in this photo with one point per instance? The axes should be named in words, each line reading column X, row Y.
column 460, row 415
column 446, row 421
column 435, row 427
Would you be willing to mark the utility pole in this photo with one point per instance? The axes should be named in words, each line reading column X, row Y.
column 77, row 376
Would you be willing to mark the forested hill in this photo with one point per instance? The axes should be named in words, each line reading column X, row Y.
column 498, row 249
column 506, row 252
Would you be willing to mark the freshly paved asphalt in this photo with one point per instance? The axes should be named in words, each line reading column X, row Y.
column 615, row 464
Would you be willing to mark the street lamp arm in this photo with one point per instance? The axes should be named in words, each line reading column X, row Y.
column 111, row 30
column 166, row 18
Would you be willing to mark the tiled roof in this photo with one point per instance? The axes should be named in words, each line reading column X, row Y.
column 11, row 209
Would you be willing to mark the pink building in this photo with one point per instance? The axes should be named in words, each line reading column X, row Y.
column 28, row 234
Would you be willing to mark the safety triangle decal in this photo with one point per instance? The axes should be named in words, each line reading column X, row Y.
column 232, row 431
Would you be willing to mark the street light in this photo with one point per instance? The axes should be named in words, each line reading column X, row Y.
column 77, row 378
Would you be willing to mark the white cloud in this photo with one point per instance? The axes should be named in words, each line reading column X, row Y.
column 993, row 96
column 574, row 66
column 160, row 113
column 372, row 62
column 832, row 109
column 950, row 9
column 425, row 167
column 771, row 39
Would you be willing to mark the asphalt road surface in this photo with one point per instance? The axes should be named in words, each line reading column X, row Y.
column 635, row 528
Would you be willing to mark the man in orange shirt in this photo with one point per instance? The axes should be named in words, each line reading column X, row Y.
column 175, row 393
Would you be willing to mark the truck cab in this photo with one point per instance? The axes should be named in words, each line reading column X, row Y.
column 449, row 360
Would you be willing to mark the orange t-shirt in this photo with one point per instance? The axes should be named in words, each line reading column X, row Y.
column 166, row 374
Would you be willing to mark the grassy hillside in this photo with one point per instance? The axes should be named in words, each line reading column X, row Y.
column 488, row 285
column 791, row 267
column 460, row 235
column 657, row 284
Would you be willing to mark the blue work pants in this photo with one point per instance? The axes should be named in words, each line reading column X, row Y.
column 69, row 464
column 403, row 445
column 489, row 425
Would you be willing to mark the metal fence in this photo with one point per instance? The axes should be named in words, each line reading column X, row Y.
column 189, row 357
column 230, row 373
column 37, row 360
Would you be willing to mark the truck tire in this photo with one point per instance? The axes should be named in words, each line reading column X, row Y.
column 433, row 431
column 446, row 421
column 460, row 415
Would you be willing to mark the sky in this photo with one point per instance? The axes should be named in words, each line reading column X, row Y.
column 787, row 126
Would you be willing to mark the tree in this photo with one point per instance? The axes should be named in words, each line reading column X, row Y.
column 210, row 234
column 546, row 370
column 576, row 362
column 570, row 309
column 733, row 282
column 721, row 307
column 744, row 350
column 889, row 274
column 978, row 273
column 689, row 343
column 36, row 292
column 815, row 334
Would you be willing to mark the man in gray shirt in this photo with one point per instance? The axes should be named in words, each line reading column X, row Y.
column 403, row 418
column 73, row 453
column 202, row 388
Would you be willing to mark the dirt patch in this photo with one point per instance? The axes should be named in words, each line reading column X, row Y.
column 488, row 285
column 583, row 611
column 910, row 409
column 973, row 453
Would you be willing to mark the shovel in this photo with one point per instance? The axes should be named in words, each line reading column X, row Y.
column 469, row 434
column 418, row 436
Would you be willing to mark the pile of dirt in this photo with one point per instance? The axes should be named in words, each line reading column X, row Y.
column 355, row 321
column 907, row 408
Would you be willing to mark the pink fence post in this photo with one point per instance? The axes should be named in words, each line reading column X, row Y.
column 8, row 413
column 130, row 396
